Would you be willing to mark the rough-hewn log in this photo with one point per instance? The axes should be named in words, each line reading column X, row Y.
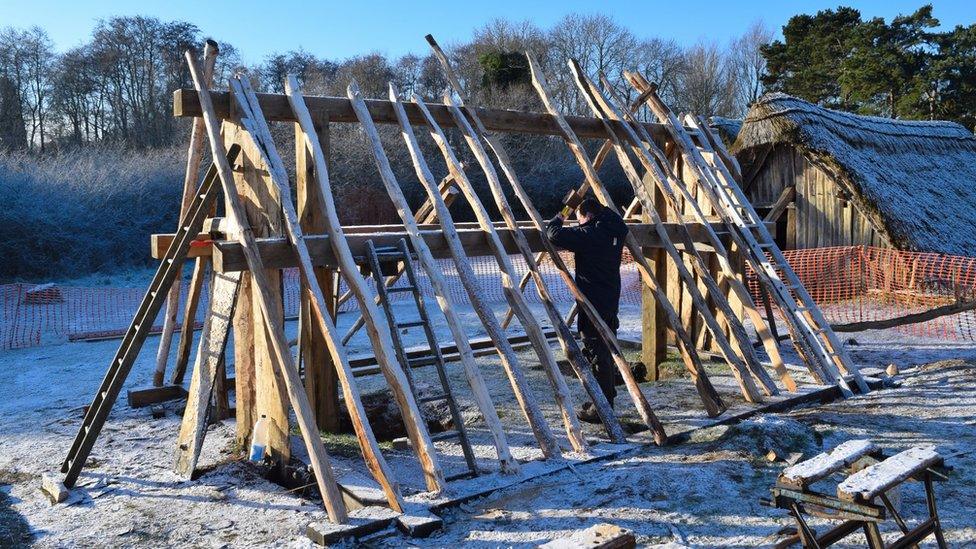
column 601, row 107
column 571, row 349
column 339, row 109
column 194, row 157
column 656, row 165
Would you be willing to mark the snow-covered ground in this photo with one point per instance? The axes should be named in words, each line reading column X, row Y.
column 701, row 494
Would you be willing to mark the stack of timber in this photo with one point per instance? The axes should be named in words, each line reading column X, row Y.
column 695, row 232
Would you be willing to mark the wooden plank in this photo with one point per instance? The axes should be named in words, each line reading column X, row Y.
column 428, row 263
column 324, row 475
column 361, row 522
column 339, row 109
column 598, row 536
column 807, row 472
column 876, row 479
column 206, row 367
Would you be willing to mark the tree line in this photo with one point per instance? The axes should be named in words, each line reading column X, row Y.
column 898, row 69
column 117, row 86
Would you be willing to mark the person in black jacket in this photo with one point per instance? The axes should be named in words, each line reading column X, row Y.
column 597, row 243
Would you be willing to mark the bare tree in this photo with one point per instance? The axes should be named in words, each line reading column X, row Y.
column 749, row 65
column 705, row 85
column 600, row 44
column 26, row 58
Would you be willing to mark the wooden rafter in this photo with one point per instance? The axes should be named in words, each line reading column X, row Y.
column 510, row 362
column 740, row 370
column 438, row 284
column 711, row 400
column 472, row 128
column 324, row 475
column 257, row 130
column 673, row 191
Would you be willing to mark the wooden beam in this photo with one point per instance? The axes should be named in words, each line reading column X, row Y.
column 783, row 202
column 339, row 109
column 281, row 255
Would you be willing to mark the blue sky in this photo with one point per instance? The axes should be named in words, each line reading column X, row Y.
column 342, row 29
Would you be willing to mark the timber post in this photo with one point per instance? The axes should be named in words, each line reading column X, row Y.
column 321, row 381
column 654, row 324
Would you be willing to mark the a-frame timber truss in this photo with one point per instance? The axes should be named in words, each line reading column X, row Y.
column 700, row 229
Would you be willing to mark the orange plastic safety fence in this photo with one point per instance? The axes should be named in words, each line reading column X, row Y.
column 31, row 315
column 864, row 283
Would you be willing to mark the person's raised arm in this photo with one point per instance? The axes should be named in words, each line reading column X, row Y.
column 567, row 238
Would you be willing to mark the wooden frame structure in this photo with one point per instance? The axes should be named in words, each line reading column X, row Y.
column 263, row 231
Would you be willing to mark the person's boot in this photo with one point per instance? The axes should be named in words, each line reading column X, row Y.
column 587, row 413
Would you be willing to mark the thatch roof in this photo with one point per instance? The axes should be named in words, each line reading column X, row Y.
column 727, row 128
column 915, row 181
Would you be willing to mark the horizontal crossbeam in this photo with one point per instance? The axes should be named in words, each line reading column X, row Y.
column 339, row 109
column 278, row 253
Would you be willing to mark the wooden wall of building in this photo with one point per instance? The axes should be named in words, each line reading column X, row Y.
column 821, row 215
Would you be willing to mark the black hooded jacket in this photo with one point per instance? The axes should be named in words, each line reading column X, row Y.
column 597, row 245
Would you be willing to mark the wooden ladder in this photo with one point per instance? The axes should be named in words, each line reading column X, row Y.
column 800, row 311
column 169, row 269
column 401, row 254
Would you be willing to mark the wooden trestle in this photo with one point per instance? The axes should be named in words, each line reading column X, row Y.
column 689, row 249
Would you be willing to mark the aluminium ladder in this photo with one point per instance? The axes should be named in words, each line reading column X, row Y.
column 400, row 253
column 170, row 267
column 801, row 313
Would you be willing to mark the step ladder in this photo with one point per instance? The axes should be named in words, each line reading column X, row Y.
column 170, row 267
column 375, row 257
column 817, row 341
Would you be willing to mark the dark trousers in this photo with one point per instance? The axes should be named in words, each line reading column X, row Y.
column 598, row 354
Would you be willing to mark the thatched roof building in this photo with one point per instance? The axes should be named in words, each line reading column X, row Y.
column 912, row 184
